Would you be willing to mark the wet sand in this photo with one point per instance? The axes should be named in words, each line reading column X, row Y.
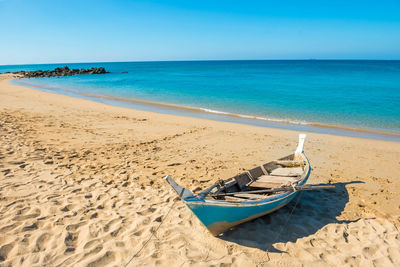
column 209, row 114
column 81, row 184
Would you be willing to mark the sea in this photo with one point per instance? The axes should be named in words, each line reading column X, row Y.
column 345, row 97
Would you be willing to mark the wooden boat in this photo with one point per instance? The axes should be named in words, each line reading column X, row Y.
column 250, row 194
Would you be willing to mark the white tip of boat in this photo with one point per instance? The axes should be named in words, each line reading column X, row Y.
column 302, row 138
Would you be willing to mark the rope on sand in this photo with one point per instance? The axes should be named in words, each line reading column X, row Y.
column 281, row 229
column 267, row 251
column 151, row 236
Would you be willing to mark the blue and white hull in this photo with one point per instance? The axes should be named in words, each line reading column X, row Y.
column 219, row 215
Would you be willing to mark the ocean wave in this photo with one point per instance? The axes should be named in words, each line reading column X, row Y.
column 254, row 117
column 214, row 111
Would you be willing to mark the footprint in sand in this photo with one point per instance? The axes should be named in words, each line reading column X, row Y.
column 107, row 258
column 41, row 242
column 5, row 250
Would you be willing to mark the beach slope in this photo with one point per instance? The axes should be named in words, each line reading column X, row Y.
column 81, row 184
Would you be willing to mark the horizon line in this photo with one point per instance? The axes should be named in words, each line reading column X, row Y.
column 200, row 60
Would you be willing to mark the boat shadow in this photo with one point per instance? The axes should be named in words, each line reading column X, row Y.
column 303, row 216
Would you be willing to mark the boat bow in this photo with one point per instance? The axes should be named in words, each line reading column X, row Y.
column 183, row 193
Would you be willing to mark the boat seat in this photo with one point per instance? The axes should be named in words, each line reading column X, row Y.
column 269, row 181
column 289, row 163
column 271, row 178
column 287, row 172
column 257, row 184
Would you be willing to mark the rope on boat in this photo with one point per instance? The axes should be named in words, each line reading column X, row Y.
column 152, row 234
column 282, row 228
column 293, row 186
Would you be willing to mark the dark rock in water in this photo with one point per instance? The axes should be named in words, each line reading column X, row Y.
column 63, row 71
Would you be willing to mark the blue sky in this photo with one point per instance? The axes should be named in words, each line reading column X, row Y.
column 44, row 31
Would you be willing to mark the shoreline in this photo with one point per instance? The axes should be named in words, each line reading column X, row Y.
column 215, row 115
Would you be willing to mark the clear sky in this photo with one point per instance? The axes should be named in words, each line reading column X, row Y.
column 48, row 31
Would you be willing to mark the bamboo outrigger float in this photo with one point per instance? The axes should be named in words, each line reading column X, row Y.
column 250, row 194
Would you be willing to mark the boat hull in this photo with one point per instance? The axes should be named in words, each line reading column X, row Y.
column 219, row 218
column 219, row 215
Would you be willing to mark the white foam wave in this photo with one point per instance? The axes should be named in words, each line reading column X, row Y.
column 254, row 117
column 214, row 111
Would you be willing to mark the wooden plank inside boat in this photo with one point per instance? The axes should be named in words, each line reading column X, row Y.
column 233, row 199
column 266, row 184
column 256, row 172
column 289, row 163
column 277, row 179
column 250, row 196
column 287, row 171
column 242, row 180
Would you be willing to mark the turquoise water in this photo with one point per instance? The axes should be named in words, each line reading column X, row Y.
column 357, row 94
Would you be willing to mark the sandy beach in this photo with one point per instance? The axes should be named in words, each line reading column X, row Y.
column 81, row 184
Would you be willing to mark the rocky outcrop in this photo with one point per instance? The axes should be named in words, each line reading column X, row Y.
column 64, row 71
